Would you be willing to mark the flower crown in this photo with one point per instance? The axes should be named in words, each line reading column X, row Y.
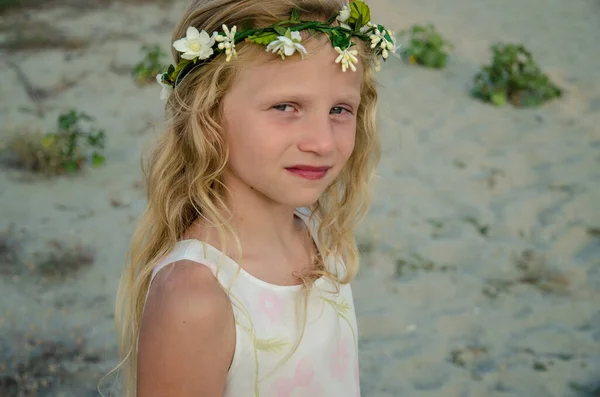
column 282, row 38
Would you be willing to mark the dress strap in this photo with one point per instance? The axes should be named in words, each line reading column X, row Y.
column 184, row 250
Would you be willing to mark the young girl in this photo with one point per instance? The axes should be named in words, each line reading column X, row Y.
column 237, row 281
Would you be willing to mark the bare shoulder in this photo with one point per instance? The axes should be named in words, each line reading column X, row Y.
column 187, row 336
column 185, row 281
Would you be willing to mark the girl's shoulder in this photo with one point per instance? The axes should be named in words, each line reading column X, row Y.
column 185, row 304
column 186, row 281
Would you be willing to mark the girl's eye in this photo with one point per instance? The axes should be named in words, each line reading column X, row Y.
column 283, row 107
column 339, row 110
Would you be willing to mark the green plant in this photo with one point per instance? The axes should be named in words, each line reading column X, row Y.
column 513, row 76
column 65, row 150
column 153, row 63
column 426, row 47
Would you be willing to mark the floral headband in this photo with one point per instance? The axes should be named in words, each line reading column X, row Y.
column 282, row 38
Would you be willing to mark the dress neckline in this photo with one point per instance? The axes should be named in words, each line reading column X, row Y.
column 213, row 253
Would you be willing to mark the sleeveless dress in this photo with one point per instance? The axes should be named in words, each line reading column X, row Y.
column 273, row 357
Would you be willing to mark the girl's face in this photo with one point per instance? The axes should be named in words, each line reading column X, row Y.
column 290, row 125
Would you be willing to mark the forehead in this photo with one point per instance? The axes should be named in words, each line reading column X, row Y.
column 316, row 74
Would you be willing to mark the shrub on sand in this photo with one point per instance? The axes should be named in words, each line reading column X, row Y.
column 426, row 47
column 153, row 63
column 65, row 151
column 513, row 76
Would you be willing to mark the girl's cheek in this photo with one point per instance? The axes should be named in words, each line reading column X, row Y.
column 346, row 148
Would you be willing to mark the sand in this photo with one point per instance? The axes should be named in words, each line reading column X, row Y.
column 481, row 273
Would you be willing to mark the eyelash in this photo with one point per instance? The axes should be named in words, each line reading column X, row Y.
column 335, row 107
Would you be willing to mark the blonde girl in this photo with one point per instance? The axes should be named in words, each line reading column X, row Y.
column 237, row 280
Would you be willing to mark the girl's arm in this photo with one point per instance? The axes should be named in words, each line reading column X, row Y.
column 187, row 337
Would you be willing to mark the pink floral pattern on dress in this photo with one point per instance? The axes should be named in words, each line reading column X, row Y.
column 272, row 305
column 303, row 381
column 339, row 360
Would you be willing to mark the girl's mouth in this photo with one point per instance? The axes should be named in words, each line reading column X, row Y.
column 309, row 172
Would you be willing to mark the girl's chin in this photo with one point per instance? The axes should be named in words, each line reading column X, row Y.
column 303, row 199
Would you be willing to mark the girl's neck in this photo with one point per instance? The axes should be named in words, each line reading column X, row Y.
column 262, row 224
column 259, row 222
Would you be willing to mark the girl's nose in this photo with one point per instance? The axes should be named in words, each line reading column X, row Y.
column 318, row 136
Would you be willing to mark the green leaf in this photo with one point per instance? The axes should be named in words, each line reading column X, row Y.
column 295, row 14
column 359, row 23
column 263, row 38
column 387, row 35
column 498, row 98
column 183, row 63
column 281, row 31
column 67, row 120
column 97, row 139
column 359, row 11
column 97, row 159
column 48, row 140
column 101, row 139
column 71, row 166
column 436, row 41
column 341, row 40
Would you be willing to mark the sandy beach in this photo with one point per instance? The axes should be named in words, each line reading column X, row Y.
column 480, row 272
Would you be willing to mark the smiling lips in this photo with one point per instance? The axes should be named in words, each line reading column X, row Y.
column 309, row 172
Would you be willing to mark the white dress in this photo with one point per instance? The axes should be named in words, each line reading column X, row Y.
column 324, row 363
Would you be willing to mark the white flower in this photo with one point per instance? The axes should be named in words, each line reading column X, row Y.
column 347, row 57
column 286, row 46
column 166, row 91
column 227, row 42
column 378, row 39
column 366, row 27
column 344, row 14
column 196, row 44
column 375, row 38
column 392, row 46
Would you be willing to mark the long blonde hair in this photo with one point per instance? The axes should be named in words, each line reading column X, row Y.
column 184, row 172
